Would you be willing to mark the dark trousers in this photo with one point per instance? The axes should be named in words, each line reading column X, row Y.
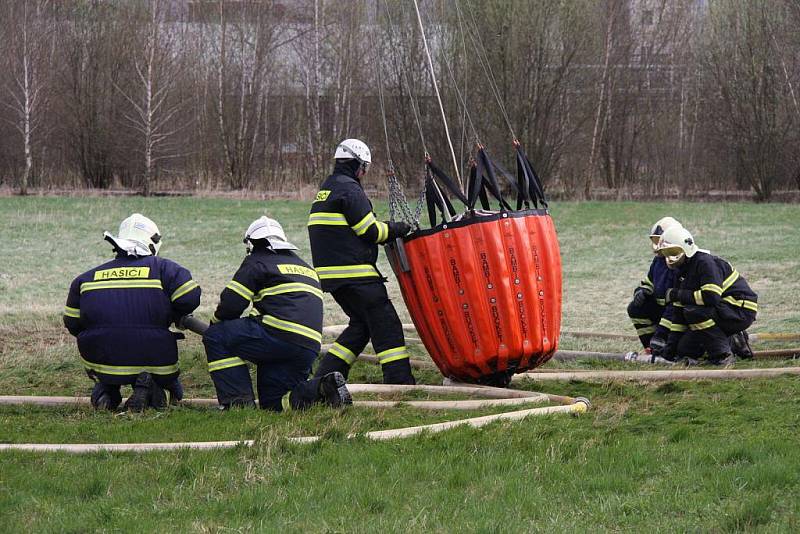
column 372, row 317
column 282, row 368
column 645, row 318
column 714, row 340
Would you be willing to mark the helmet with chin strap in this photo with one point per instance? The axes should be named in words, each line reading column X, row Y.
column 269, row 230
column 661, row 226
column 676, row 244
column 354, row 149
column 138, row 236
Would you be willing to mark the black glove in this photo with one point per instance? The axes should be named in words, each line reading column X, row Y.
column 658, row 346
column 639, row 297
column 398, row 229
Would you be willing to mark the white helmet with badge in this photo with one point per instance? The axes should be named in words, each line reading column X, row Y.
column 661, row 226
column 269, row 229
column 353, row 149
column 138, row 236
column 677, row 244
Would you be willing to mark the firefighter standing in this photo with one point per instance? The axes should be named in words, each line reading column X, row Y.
column 281, row 335
column 345, row 235
column 120, row 313
column 711, row 302
column 648, row 310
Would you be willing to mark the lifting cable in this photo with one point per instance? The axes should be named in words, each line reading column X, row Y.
column 483, row 59
column 438, row 96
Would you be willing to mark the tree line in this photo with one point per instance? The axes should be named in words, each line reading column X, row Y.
column 648, row 97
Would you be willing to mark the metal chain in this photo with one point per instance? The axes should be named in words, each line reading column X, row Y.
column 399, row 207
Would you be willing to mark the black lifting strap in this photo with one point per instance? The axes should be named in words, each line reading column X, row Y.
column 485, row 178
column 527, row 175
column 435, row 198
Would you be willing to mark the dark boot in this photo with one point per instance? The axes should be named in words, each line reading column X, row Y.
column 333, row 390
column 740, row 345
column 146, row 394
column 398, row 372
column 105, row 397
column 332, row 364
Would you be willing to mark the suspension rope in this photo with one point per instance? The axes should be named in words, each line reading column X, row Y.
column 438, row 96
column 399, row 207
column 483, row 59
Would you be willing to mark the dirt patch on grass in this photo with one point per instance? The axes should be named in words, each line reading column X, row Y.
column 32, row 338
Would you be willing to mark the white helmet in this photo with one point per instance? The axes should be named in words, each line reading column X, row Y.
column 661, row 226
column 269, row 229
column 676, row 244
column 138, row 236
column 353, row 148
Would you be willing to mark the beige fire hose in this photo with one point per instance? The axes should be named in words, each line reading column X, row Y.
column 489, row 397
column 654, row 376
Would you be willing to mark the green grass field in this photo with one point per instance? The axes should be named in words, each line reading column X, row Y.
column 700, row 456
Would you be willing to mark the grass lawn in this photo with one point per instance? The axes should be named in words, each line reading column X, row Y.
column 681, row 456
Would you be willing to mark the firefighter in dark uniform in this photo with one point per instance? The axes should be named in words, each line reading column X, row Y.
column 345, row 235
column 121, row 312
column 648, row 310
column 281, row 335
column 711, row 302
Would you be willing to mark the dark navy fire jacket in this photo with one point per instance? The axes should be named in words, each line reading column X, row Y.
column 121, row 311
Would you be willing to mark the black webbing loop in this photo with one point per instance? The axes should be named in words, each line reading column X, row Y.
column 435, row 198
column 486, row 172
column 535, row 183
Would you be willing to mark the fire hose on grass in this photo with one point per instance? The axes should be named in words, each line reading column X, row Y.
column 490, row 397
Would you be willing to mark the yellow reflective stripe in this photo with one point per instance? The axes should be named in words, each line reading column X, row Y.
column 182, row 290
column 702, row 326
column 219, row 365
column 661, row 302
column 214, row 318
column 72, row 312
column 121, row 284
column 239, row 289
column 729, row 281
column 675, row 327
column 130, row 369
column 295, row 328
column 677, row 304
column 346, row 271
column 747, row 304
column 383, row 231
column 665, row 322
column 391, row 355
column 646, row 330
column 713, row 288
column 342, row 352
column 641, row 320
column 327, row 219
column 289, row 287
column 361, row 227
column 698, row 298
column 647, row 282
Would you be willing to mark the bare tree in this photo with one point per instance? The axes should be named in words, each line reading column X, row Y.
column 29, row 61
column 155, row 109
column 754, row 118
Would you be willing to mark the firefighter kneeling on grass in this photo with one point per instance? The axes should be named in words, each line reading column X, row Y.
column 712, row 303
column 344, row 236
column 281, row 335
column 120, row 313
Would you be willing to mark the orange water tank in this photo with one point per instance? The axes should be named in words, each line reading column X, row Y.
column 484, row 293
